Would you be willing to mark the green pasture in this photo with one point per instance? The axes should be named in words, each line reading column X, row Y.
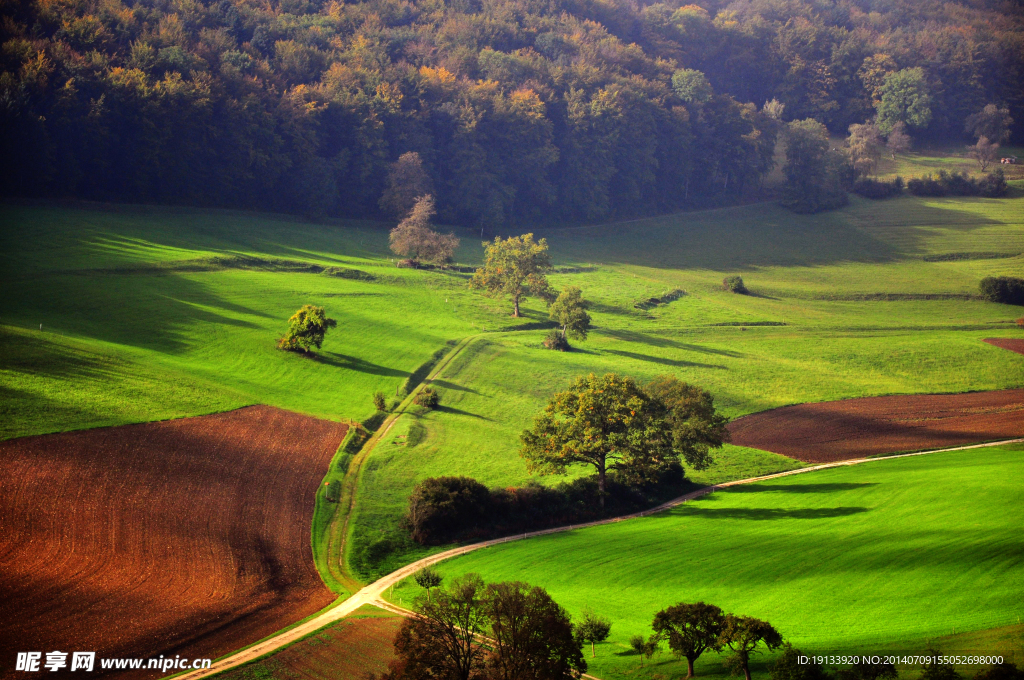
column 887, row 556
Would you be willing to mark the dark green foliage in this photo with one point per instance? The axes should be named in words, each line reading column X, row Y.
column 593, row 629
column 745, row 635
column 734, row 284
column 938, row 671
column 816, row 175
column 788, row 667
column 668, row 297
column 514, row 111
column 696, row 426
column 1000, row 671
column 569, row 310
column 333, row 494
column 957, row 183
column 691, row 630
column 442, row 510
column 428, row 397
column 373, row 422
column 380, row 401
column 442, row 507
column 1006, row 289
column 555, row 340
column 878, row 189
column 428, row 578
column 306, row 329
column 866, row 669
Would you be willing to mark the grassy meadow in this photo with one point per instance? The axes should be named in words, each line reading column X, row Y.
column 876, row 558
column 152, row 313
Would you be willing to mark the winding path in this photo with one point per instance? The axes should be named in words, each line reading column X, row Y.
column 373, row 594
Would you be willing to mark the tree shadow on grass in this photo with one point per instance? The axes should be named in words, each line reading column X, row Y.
column 460, row 412
column 800, row 488
column 677, row 363
column 452, row 386
column 658, row 341
column 356, row 364
column 773, row 513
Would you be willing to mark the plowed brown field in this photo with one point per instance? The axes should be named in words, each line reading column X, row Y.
column 348, row 650
column 1012, row 344
column 855, row 428
column 185, row 537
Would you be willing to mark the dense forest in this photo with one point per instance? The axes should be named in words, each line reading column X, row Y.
column 521, row 110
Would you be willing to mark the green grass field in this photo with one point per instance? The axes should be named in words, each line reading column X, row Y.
column 151, row 313
column 879, row 557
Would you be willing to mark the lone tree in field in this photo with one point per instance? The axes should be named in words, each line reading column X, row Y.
column 691, row 630
column 428, row 578
column 533, row 635
column 514, row 268
column 607, row 422
column 593, row 629
column 569, row 310
column 696, row 426
column 414, row 238
column 984, row 152
column 407, row 181
column 306, row 329
column 743, row 635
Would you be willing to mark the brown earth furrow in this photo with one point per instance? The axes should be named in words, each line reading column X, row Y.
column 855, row 428
column 185, row 537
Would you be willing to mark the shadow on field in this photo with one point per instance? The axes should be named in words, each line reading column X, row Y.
column 678, row 363
column 452, row 386
column 356, row 364
column 658, row 341
column 773, row 513
column 801, row 488
column 460, row 412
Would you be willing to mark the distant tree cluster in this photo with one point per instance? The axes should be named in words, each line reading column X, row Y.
column 1006, row 289
column 516, row 112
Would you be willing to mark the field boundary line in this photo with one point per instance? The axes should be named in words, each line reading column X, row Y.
column 373, row 594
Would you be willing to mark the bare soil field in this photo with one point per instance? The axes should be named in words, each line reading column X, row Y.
column 186, row 536
column 1012, row 344
column 348, row 650
column 855, row 428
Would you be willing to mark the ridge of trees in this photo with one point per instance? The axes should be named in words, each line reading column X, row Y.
column 520, row 111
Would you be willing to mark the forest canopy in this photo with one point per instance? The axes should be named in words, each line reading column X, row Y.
column 521, row 110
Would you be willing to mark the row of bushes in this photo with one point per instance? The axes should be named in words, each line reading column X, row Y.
column 946, row 183
column 447, row 509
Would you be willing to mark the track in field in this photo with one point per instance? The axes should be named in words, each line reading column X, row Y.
column 1012, row 344
column 186, row 536
column 855, row 428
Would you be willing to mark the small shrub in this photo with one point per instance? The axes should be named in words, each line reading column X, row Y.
column 333, row 494
column 735, row 284
column 427, row 397
column 1020, row 323
column 925, row 186
column 554, row 340
column 1006, row 289
column 991, row 185
column 380, row 401
column 877, row 190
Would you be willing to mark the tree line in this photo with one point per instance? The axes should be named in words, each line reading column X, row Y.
column 520, row 111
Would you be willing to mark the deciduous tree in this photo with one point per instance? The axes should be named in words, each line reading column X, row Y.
column 898, row 140
column 904, row 99
column 991, row 122
column 407, row 181
column 743, row 635
column 306, row 329
column 608, row 423
column 515, row 268
column 569, row 310
column 696, row 426
column 865, row 145
column 593, row 629
column 532, row 634
column 814, row 172
column 691, row 630
column 415, row 239
column 984, row 152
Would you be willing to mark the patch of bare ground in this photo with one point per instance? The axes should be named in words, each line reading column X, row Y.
column 348, row 650
column 186, row 536
column 855, row 428
column 1012, row 344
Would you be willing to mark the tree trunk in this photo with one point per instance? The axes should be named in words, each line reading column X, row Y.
column 689, row 667
column 563, row 331
column 600, row 485
column 515, row 303
column 593, row 652
column 746, row 668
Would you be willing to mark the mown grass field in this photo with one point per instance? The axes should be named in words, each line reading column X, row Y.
column 880, row 557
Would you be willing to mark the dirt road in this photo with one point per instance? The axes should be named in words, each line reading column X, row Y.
column 374, row 593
